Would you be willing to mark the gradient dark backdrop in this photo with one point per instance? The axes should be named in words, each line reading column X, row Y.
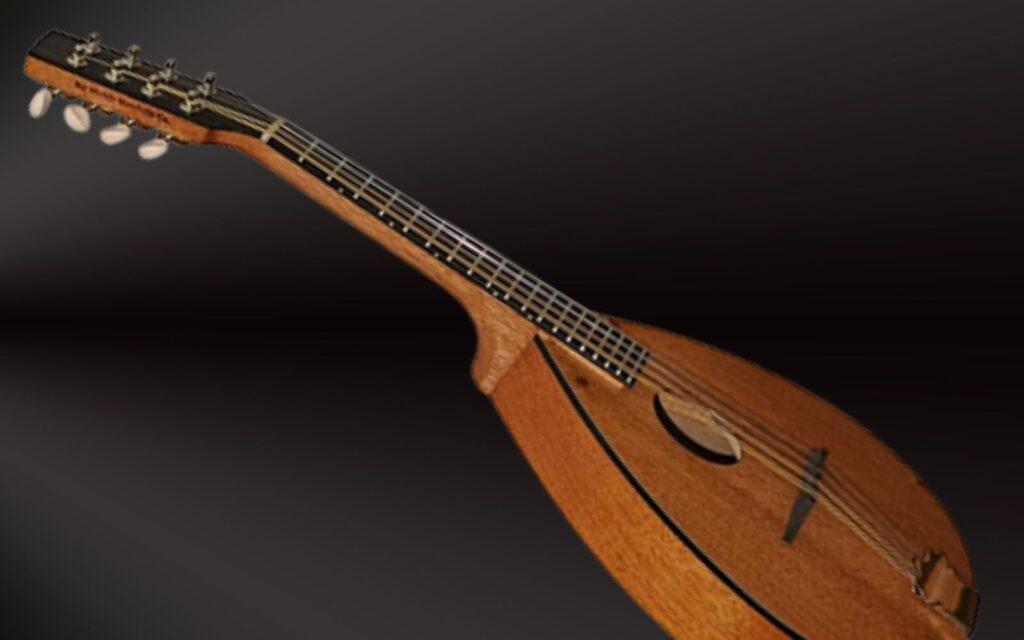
column 223, row 413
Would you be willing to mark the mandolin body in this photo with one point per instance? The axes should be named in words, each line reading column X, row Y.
column 699, row 545
column 674, row 494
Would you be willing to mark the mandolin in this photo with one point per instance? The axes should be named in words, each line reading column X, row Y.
column 727, row 501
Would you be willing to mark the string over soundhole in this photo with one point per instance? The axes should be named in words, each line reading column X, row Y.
column 698, row 428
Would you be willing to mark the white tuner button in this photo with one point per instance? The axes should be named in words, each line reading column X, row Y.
column 77, row 118
column 153, row 149
column 40, row 103
column 115, row 134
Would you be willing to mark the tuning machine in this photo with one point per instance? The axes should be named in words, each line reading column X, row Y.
column 130, row 59
column 166, row 75
column 206, row 87
column 83, row 50
column 116, row 133
column 78, row 117
column 127, row 62
column 155, row 147
column 41, row 101
column 194, row 99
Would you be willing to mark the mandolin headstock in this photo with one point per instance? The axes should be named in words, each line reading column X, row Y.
column 178, row 107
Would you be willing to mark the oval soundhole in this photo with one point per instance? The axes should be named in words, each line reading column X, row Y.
column 697, row 428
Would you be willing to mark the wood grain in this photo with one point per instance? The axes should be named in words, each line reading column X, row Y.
column 501, row 333
column 829, row 584
column 656, row 515
column 110, row 100
column 632, row 542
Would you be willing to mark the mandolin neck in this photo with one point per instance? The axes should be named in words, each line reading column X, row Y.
column 412, row 226
column 195, row 111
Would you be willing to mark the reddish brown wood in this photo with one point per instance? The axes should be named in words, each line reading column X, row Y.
column 501, row 333
column 829, row 584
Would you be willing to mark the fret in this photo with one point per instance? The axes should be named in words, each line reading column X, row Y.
column 635, row 358
column 440, row 225
column 592, row 325
column 309, row 150
column 645, row 354
column 546, row 307
column 609, row 337
column 359, row 174
column 480, row 251
column 570, row 320
column 303, row 135
column 487, row 263
column 412, row 222
column 615, row 350
column 576, row 327
column 583, row 325
column 588, row 342
column 635, row 355
column 386, row 209
column 455, row 249
column 533, row 291
column 515, row 284
column 497, row 270
column 556, row 320
column 333, row 175
column 607, row 331
column 556, row 317
column 548, row 296
column 271, row 131
column 357, row 193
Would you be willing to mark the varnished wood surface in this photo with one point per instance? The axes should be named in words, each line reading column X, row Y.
column 636, row 547
column 828, row 585
column 501, row 333
column 108, row 99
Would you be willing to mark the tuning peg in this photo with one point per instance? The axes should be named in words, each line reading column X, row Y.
column 206, row 88
column 131, row 58
column 92, row 44
column 116, row 133
column 77, row 118
column 127, row 62
column 154, row 148
column 40, row 102
column 83, row 50
column 167, row 73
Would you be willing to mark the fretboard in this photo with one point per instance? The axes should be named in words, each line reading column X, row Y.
column 551, row 310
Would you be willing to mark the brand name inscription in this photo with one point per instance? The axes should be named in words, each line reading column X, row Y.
column 116, row 99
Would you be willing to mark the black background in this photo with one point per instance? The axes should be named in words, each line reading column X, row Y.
column 225, row 414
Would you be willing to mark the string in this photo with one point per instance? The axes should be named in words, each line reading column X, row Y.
column 894, row 551
column 599, row 333
column 657, row 374
column 789, row 466
column 785, row 466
